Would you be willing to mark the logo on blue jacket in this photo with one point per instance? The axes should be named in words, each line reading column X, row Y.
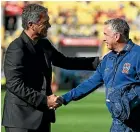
column 126, row 68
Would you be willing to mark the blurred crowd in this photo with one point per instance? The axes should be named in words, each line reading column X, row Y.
column 75, row 19
column 71, row 19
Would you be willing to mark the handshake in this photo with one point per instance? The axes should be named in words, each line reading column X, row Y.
column 54, row 101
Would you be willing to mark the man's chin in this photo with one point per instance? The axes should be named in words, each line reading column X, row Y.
column 43, row 35
column 46, row 34
column 109, row 47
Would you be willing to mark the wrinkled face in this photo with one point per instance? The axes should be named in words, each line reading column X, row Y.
column 110, row 37
column 41, row 28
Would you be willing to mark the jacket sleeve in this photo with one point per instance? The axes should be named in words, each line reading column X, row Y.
column 14, row 72
column 71, row 63
column 84, row 88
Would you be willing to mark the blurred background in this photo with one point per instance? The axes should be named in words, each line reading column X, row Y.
column 76, row 30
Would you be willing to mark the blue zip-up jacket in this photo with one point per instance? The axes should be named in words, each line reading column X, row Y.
column 115, row 71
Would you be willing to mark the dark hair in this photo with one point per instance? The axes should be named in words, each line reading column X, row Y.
column 31, row 13
column 120, row 26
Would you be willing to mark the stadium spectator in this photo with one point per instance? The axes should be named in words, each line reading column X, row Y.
column 120, row 72
column 28, row 71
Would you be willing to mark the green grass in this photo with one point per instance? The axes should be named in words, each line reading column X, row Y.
column 2, row 101
column 87, row 115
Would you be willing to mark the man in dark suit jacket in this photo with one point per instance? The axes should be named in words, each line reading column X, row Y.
column 28, row 71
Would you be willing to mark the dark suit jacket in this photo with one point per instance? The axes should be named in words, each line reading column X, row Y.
column 28, row 71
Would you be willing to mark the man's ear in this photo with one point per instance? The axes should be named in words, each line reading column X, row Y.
column 30, row 25
column 117, row 36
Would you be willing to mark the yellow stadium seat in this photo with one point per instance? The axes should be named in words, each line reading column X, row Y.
column 84, row 18
column 130, row 13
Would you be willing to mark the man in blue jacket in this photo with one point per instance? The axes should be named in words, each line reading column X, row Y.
column 120, row 72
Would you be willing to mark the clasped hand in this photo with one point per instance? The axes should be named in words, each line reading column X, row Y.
column 54, row 101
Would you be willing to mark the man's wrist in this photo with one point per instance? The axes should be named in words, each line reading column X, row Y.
column 64, row 101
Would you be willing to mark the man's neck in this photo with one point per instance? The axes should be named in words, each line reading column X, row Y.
column 31, row 36
column 120, row 47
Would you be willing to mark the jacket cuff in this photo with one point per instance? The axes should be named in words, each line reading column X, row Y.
column 65, row 99
column 42, row 104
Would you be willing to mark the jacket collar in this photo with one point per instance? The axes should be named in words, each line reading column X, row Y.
column 128, row 46
column 28, row 41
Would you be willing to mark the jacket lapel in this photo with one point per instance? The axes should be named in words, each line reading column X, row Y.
column 28, row 42
column 31, row 48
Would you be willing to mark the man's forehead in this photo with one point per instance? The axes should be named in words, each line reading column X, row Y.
column 107, row 28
